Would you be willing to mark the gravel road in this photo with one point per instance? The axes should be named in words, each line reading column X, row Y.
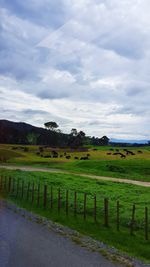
column 24, row 243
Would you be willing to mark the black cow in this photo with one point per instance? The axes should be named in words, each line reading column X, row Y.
column 68, row 157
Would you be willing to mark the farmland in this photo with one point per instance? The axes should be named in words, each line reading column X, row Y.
column 101, row 161
column 127, row 195
column 135, row 167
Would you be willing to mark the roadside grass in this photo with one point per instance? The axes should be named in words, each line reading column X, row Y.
column 126, row 194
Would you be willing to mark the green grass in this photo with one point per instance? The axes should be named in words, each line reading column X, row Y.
column 129, row 169
column 8, row 154
column 125, row 193
column 136, row 167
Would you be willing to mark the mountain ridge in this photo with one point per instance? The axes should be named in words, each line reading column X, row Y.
column 16, row 133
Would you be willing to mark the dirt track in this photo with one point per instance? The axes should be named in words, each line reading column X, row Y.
column 28, row 168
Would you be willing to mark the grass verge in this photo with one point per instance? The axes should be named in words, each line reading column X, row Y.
column 135, row 245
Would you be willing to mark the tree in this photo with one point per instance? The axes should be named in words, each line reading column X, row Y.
column 104, row 141
column 74, row 132
column 51, row 125
column 81, row 134
column 32, row 138
column 76, row 138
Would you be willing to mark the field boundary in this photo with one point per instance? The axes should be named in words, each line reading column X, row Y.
column 57, row 198
column 53, row 170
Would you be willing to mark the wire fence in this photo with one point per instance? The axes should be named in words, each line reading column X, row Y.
column 72, row 203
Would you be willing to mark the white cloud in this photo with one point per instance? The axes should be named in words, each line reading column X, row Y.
column 93, row 69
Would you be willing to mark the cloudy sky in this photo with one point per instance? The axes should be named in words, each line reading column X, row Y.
column 82, row 63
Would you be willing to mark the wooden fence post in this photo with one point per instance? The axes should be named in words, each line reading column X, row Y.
column 51, row 199
column 118, row 216
column 28, row 190
column 66, row 202
column 32, row 200
column 13, row 185
column 9, row 184
column 5, row 182
column 75, row 203
column 146, row 223
column 106, row 212
column 22, row 189
column 59, row 199
column 95, row 209
column 38, row 195
column 45, row 196
column 85, row 198
column 132, row 220
column 17, row 192
column 2, row 183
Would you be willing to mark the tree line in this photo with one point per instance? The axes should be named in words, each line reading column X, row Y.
column 23, row 133
column 75, row 138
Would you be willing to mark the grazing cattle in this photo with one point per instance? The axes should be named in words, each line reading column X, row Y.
column 108, row 153
column 76, row 158
column 139, row 151
column 68, row 157
column 119, row 154
column 84, row 158
column 55, row 156
column 65, row 154
column 88, row 155
column 128, row 152
column 123, row 156
column 47, row 156
column 54, row 152
column 61, row 156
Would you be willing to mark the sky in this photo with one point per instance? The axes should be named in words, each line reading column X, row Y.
column 84, row 64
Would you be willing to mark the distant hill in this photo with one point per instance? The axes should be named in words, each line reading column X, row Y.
column 16, row 133
column 113, row 140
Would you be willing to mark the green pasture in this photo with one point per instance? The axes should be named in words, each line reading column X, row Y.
column 136, row 167
column 126, row 194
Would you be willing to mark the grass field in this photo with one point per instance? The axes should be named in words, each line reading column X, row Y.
column 136, row 167
column 102, row 161
column 126, row 194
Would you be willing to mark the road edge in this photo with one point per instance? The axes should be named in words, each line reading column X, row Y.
column 89, row 243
